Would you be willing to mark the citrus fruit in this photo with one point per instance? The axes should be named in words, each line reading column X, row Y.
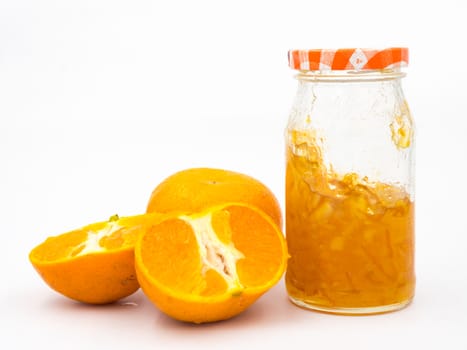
column 211, row 265
column 195, row 189
column 93, row 264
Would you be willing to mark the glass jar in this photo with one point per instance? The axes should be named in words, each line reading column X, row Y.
column 350, row 182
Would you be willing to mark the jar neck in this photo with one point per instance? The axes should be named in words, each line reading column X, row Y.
column 349, row 75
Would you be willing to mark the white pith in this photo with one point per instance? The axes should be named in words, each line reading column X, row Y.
column 215, row 254
column 91, row 244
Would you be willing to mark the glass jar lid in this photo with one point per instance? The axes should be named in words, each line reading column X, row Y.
column 349, row 59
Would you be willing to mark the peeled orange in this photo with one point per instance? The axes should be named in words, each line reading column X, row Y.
column 210, row 265
column 195, row 189
column 93, row 264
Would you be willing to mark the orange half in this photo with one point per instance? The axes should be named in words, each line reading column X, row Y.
column 212, row 265
column 93, row 264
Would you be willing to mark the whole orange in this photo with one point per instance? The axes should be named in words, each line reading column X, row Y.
column 195, row 189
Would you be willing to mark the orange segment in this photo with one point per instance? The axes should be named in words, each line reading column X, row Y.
column 164, row 243
column 211, row 265
column 258, row 242
column 214, row 283
column 220, row 225
column 93, row 264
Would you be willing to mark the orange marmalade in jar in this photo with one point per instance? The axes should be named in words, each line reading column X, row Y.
column 350, row 182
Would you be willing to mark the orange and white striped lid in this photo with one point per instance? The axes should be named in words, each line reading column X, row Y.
column 349, row 59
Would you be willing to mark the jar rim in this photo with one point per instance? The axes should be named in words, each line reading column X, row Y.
column 350, row 75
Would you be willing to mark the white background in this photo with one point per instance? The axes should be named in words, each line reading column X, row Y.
column 100, row 100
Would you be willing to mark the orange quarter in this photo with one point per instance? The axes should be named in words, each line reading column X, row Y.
column 93, row 264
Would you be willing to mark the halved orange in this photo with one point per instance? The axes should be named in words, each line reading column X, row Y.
column 211, row 265
column 93, row 264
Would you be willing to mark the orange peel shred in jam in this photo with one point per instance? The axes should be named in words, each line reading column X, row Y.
column 350, row 241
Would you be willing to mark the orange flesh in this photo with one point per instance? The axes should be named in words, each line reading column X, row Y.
column 260, row 245
column 172, row 250
column 163, row 245
column 60, row 247
column 351, row 242
column 103, row 237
